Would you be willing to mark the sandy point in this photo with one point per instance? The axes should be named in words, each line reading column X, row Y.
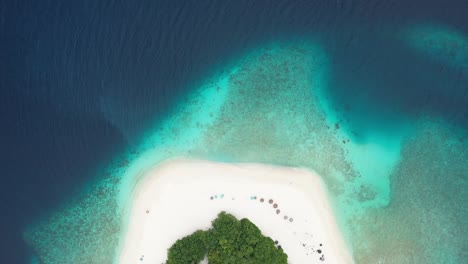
column 178, row 197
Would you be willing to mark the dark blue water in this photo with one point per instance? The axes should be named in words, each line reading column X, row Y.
column 81, row 80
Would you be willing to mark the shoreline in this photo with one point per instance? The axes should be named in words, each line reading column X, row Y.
column 177, row 197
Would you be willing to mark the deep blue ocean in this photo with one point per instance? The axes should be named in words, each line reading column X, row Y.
column 81, row 80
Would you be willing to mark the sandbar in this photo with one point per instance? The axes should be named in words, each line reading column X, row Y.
column 177, row 197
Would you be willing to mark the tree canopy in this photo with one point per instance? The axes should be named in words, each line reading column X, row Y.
column 229, row 241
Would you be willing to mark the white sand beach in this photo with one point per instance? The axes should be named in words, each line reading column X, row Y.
column 178, row 197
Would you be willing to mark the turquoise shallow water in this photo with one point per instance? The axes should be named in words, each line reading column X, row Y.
column 397, row 181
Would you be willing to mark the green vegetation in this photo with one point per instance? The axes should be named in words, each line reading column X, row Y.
column 229, row 241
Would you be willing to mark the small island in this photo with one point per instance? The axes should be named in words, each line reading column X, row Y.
column 177, row 199
column 228, row 241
